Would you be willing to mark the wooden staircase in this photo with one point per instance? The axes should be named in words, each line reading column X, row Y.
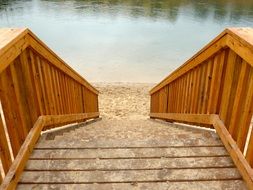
column 39, row 92
column 132, row 154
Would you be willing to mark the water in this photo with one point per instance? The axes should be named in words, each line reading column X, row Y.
column 126, row 40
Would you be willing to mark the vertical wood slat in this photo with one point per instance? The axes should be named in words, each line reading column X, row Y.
column 249, row 153
column 202, row 79
column 1, row 178
column 239, row 98
column 221, row 84
column 246, row 114
column 163, row 98
column 228, row 81
column 29, row 87
column 219, row 62
column 189, row 98
column 42, row 86
column 5, row 154
column 17, row 80
column 37, row 84
column 11, row 113
column 206, row 95
column 235, row 79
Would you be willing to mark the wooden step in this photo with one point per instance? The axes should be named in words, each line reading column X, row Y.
column 160, row 175
column 129, row 152
column 196, row 185
column 168, row 142
column 137, row 163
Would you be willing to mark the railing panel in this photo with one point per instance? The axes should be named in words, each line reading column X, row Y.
column 34, row 82
column 249, row 154
column 218, row 80
column 5, row 155
column 11, row 113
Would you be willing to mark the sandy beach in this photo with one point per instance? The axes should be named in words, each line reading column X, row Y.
column 124, row 100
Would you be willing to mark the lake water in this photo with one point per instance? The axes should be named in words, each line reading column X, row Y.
column 126, row 40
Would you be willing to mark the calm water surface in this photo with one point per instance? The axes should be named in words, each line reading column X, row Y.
column 126, row 40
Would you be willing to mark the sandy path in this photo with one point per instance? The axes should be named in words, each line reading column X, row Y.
column 124, row 100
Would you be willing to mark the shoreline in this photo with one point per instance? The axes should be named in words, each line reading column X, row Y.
column 124, row 100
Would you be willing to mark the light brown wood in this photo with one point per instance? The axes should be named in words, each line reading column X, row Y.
column 191, row 118
column 5, row 154
column 249, row 153
column 246, row 115
column 228, row 80
column 240, row 94
column 33, row 82
column 238, row 39
column 221, row 87
column 235, row 153
column 216, row 45
column 18, row 165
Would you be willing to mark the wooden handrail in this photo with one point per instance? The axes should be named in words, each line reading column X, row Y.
column 35, row 82
column 217, row 82
column 12, row 178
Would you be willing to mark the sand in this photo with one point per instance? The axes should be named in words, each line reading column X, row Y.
column 124, row 100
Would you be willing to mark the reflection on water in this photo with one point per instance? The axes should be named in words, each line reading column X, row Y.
column 126, row 40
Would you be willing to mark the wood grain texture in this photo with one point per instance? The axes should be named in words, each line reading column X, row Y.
column 221, row 85
column 18, row 165
column 34, row 81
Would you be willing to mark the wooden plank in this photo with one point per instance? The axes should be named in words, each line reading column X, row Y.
column 197, row 89
column 22, row 104
column 235, row 153
column 189, row 185
column 10, row 50
column 170, row 152
column 5, row 154
column 240, row 95
column 37, row 85
column 43, row 85
column 163, row 98
column 60, row 100
column 241, row 47
column 188, row 108
column 9, row 37
column 15, row 172
column 202, row 78
column 235, row 79
column 249, row 153
column 195, row 118
column 7, row 93
column 206, row 95
column 13, row 176
column 213, row 47
column 48, row 54
column 130, row 176
column 127, row 164
column 238, row 39
column 186, row 92
column 246, row 114
column 29, row 87
column 55, row 90
column 194, row 81
column 228, row 81
column 172, row 141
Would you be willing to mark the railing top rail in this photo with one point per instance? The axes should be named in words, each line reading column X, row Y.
column 243, row 35
column 9, row 38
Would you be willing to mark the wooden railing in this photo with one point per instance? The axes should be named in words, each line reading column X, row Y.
column 215, row 89
column 38, row 91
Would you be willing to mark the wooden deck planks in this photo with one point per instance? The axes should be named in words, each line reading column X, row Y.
column 129, row 152
column 182, row 161
column 196, row 185
column 135, row 163
column 129, row 176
